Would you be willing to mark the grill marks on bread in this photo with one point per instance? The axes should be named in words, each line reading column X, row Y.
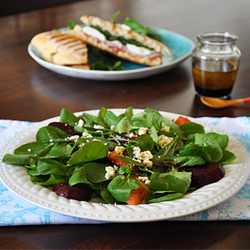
column 62, row 49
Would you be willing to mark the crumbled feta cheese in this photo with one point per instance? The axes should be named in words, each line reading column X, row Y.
column 116, row 168
column 130, row 135
column 80, row 123
column 145, row 155
column 145, row 179
column 29, row 150
column 164, row 140
column 142, row 131
column 119, row 149
column 148, row 163
column 136, row 150
column 98, row 126
column 72, row 138
column 110, row 172
column 112, row 127
column 165, row 128
column 86, row 135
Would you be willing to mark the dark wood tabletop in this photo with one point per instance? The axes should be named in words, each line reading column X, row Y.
column 29, row 92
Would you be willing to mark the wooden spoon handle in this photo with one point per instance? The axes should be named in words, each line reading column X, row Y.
column 246, row 100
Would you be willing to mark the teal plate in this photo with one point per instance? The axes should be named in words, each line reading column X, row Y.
column 180, row 46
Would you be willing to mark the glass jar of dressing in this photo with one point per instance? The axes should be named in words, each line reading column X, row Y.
column 215, row 63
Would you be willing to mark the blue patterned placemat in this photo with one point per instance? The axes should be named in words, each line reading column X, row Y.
column 16, row 211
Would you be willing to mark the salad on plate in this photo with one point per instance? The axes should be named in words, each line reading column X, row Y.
column 123, row 159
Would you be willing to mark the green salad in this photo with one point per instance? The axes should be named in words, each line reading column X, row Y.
column 127, row 158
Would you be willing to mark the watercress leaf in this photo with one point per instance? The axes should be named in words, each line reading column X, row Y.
column 48, row 133
column 91, row 151
column 195, row 150
column 227, row 158
column 124, row 126
column 68, row 117
column 19, row 160
column 221, row 139
column 120, row 187
column 210, row 145
column 95, row 172
column 50, row 166
column 32, row 148
column 125, row 170
column 145, row 142
column 159, row 197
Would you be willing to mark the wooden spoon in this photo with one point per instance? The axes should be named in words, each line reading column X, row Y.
column 221, row 103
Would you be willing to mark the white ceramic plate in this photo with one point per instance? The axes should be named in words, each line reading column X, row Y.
column 180, row 46
column 17, row 180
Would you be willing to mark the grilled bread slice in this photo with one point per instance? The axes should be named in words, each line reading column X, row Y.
column 121, row 41
column 62, row 48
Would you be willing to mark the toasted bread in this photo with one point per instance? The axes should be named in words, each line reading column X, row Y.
column 62, row 48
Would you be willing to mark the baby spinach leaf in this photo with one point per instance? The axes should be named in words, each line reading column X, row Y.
column 191, row 128
column 91, row 151
column 48, row 180
column 68, row 117
column 129, row 161
column 161, row 197
column 50, row 166
column 49, row 133
column 19, row 159
column 120, row 187
column 32, row 148
column 124, row 126
column 227, row 158
column 210, row 145
column 111, row 119
column 135, row 26
column 221, row 139
column 79, row 176
column 195, row 150
column 59, row 150
column 105, row 194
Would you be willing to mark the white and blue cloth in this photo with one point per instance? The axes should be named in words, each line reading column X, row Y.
column 16, row 211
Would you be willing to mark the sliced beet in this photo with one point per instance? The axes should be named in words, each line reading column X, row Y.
column 69, row 130
column 64, row 190
column 205, row 174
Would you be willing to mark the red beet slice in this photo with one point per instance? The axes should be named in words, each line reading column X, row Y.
column 205, row 174
column 64, row 190
column 69, row 130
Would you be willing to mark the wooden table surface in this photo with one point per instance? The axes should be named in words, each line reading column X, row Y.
column 33, row 93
